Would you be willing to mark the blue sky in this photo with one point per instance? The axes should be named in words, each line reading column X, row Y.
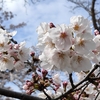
column 56, row 11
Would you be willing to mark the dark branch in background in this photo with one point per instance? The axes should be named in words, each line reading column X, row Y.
column 97, row 96
column 6, row 16
column 15, row 42
column 82, row 92
column 49, row 98
column 93, row 15
column 17, row 95
column 13, row 27
column 71, row 80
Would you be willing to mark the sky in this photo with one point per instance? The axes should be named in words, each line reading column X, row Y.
column 56, row 11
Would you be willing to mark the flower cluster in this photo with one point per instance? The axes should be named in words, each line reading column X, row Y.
column 68, row 47
column 12, row 54
column 53, row 86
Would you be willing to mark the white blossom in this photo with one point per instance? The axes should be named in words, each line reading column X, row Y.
column 81, row 75
column 23, row 53
column 6, row 62
column 45, row 58
column 80, row 24
column 56, row 79
column 18, row 65
column 80, row 63
column 3, row 42
column 61, row 60
column 61, row 37
column 97, row 41
column 43, row 96
column 43, row 29
column 90, row 89
column 83, row 45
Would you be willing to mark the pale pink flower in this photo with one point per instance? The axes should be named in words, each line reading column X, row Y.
column 23, row 52
column 45, row 58
column 56, row 79
column 90, row 89
column 80, row 24
column 61, row 60
column 43, row 96
column 18, row 65
column 6, row 62
column 4, row 43
column 83, row 45
column 97, row 41
column 80, row 63
column 43, row 29
column 25, row 87
column 62, row 37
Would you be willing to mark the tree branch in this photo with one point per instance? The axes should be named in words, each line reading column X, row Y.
column 75, row 86
column 93, row 15
column 71, row 80
column 17, row 95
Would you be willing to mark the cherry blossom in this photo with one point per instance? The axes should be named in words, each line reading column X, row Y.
column 83, row 45
column 61, row 37
column 56, row 79
column 3, row 42
column 6, row 62
column 78, row 61
column 79, row 24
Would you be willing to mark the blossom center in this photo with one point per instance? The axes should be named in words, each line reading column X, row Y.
column 79, row 59
column 5, row 60
column 81, row 42
column 61, row 55
column 21, row 52
column 76, row 27
column 1, row 44
column 63, row 35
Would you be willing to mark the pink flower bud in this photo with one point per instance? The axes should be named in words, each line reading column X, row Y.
column 29, row 83
column 16, row 46
column 96, row 32
column 33, row 75
column 32, row 54
column 39, row 69
column 52, row 25
column 28, row 92
column 44, row 72
column 11, row 46
column 25, row 87
column 65, row 84
column 73, row 41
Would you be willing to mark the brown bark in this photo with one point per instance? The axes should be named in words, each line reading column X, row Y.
column 17, row 95
column 93, row 15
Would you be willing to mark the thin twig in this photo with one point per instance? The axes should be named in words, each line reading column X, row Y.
column 49, row 98
column 75, row 86
column 82, row 91
column 97, row 96
column 71, row 80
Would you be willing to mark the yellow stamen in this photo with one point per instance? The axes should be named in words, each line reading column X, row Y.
column 1, row 44
column 79, row 59
column 81, row 43
column 63, row 35
column 5, row 60
column 76, row 27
